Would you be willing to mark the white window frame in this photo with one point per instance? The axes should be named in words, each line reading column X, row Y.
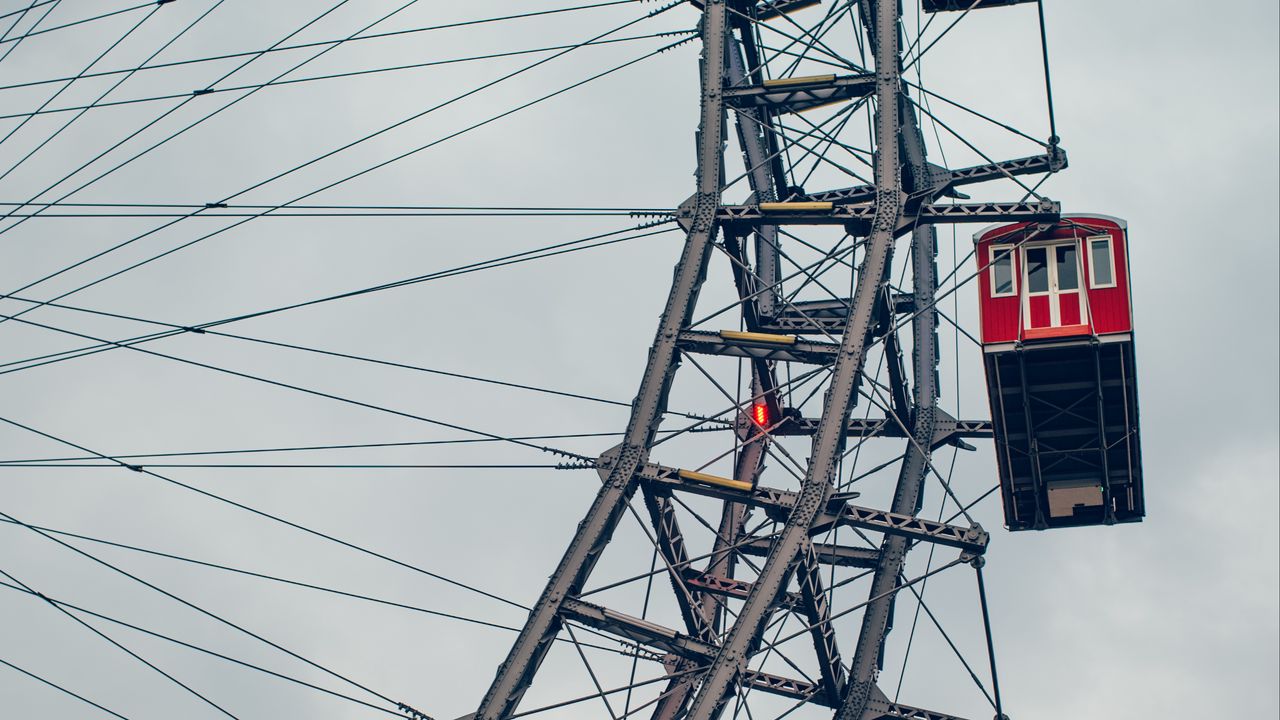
column 1111, row 257
column 1048, row 269
column 1011, row 253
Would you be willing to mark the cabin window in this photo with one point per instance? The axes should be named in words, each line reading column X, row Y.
column 1102, row 271
column 1037, row 270
column 1065, row 256
column 1002, row 271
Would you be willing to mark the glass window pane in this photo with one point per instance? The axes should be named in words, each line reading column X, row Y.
column 1037, row 270
column 1002, row 271
column 1068, row 278
column 1100, row 260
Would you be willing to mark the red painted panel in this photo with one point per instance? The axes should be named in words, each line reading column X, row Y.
column 1039, row 311
column 999, row 316
column 1000, row 319
column 1110, row 306
column 1069, row 308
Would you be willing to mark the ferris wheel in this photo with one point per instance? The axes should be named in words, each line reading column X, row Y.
column 789, row 482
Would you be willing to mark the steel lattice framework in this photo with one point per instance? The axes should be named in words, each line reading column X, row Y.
column 727, row 602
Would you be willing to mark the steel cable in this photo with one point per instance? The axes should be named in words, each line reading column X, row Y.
column 355, row 175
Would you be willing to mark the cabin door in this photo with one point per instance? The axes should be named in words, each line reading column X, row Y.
column 1053, row 298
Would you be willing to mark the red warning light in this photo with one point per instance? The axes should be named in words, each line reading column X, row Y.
column 760, row 413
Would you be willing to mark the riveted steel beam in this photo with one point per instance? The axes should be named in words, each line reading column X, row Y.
column 826, row 553
column 517, row 671
column 860, row 216
column 945, row 431
column 635, row 629
column 877, row 617
column 667, row 640
column 1049, row 162
column 972, row 539
column 731, row 587
column 824, row 317
column 816, row 609
column 800, row 351
column 730, row 663
column 798, row 95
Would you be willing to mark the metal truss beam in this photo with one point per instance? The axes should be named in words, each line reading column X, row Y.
column 1035, row 164
column 859, row 217
column 764, row 167
column 517, row 671
column 731, row 587
column 671, row 546
column 800, row 94
column 782, row 503
column 797, row 350
column 887, row 329
column 730, row 663
column 824, row 316
column 972, row 539
column 877, row 617
column 813, row 601
column 672, row 478
column 826, row 553
column 635, row 629
column 945, row 431
column 669, row 641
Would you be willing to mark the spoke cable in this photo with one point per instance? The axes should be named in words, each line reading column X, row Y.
column 66, row 606
column 274, row 518
column 208, row 613
column 80, row 621
column 58, row 687
column 320, row 43
column 203, row 91
column 367, row 170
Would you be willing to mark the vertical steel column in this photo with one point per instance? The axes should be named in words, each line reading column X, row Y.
column 876, row 617
column 753, row 135
column 593, row 533
column 907, row 497
column 744, row 638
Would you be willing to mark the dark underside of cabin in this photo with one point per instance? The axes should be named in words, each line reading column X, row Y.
column 1066, row 432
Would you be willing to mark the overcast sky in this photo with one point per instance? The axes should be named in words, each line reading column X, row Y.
column 1170, row 119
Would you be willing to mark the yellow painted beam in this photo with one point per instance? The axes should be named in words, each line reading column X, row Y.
column 799, row 80
column 796, row 206
column 708, row 479
column 758, row 337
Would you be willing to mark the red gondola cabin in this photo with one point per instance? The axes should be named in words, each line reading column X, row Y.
column 1057, row 336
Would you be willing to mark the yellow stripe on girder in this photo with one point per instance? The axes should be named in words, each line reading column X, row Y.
column 715, row 480
column 799, row 80
column 758, row 337
column 796, row 206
